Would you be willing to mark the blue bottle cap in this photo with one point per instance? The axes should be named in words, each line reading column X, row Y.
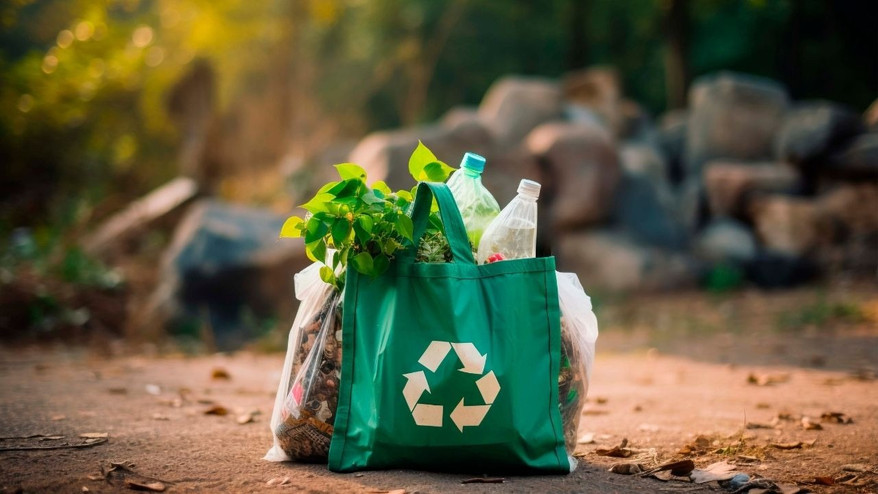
column 473, row 161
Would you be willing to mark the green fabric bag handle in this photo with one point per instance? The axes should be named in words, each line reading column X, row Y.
column 455, row 231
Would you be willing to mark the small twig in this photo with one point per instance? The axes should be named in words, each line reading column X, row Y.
column 483, row 480
column 65, row 446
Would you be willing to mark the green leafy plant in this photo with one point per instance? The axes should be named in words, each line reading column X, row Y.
column 352, row 224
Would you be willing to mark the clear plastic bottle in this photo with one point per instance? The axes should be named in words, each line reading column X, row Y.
column 477, row 206
column 513, row 234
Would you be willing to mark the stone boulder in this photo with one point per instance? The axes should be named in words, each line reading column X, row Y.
column 671, row 137
column 792, row 226
column 385, row 155
column 645, row 205
column 225, row 270
column 726, row 241
column 857, row 161
column 599, row 89
column 612, row 261
column 513, row 106
column 810, row 131
column 581, row 167
column 730, row 184
column 733, row 116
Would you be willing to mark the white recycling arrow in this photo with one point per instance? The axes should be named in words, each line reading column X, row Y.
column 473, row 362
column 489, row 387
column 472, row 415
column 416, row 384
column 428, row 415
column 435, row 354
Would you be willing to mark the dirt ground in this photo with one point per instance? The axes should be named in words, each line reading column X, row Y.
column 744, row 378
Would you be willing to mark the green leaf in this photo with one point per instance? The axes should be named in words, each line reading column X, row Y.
column 340, row 231
column 405, row 226
column 327, row 275
column 292, row 227
column 370, row 198
column 328, row 188
column 315, row 230
column 316, row 251
column 405, row 195
column 420, row 158
column 437, row 171
column 382, row 186
column 349, row 171
column 363, row 263
column 351, row 188
column 390, row 246
column 318, row 202
column 366, row 223
column 380, row 264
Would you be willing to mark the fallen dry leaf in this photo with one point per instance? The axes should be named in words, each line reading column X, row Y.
column 627, row 468
column 699, row 445
column 278, row 481
column 824, row 480
column 587, row 438
column 620, row 451
column 748, row 459
column 836, row 418
column 808, row 425
column 759, row 425
column 793, row 445
column 94, row 435
column 217, row 410
column 601, row 400
column 767, row 379
column 856, row 467
column 715, row 472
column 483, row 480
column 118, row 391
column 679, row 468
column 219, row 373
column 138, row 485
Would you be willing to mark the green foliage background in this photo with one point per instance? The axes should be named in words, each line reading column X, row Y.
column 83, row 110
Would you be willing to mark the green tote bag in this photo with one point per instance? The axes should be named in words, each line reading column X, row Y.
column 450, row 367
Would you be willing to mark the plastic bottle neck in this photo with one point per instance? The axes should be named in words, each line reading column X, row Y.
column 469, row 172
column 527, row 197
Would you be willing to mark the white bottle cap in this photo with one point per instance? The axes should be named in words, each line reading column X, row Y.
column 529, row 188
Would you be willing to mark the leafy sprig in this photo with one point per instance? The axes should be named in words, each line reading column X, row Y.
column 352, row 224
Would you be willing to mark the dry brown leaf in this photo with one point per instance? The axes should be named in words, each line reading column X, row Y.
column 715, row 472
column 219, row 373
column 836, row 418
column 153, row 486
column 217, row 410
column 483, row 480
column 278, row 481
column 856, row 467
column 824, row 480
column 94, row 435
column 620, row 451
column 763, row 406
column 808, row 425
column 587, row 438
column 767, row 379
column 680, row 468
column 759, row 425
column 700, row 444
column 748, row 459
column 627, row 468
column 118, row 391
column 601, row 400
column 793, row 445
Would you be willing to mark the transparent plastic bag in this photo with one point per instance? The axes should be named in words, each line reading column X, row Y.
column 307, row 396
column 579, row 332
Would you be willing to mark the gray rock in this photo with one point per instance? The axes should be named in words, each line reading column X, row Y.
column 581, row 166
column 671, row 137
column 612, row 261
column 513, row 106
column 645, row 204
column 810, row 131
column 793, row 226
column 734, row 116
column 857, row 161
column 726, row 240
column 730, row 184
column 225, row 269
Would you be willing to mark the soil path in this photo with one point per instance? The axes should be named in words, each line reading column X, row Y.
column 678, row 402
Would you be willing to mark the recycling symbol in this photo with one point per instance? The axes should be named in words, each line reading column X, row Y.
column 463, row 415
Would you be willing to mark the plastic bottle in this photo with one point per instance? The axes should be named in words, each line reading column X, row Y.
column 477, row 206
column 513, row 234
